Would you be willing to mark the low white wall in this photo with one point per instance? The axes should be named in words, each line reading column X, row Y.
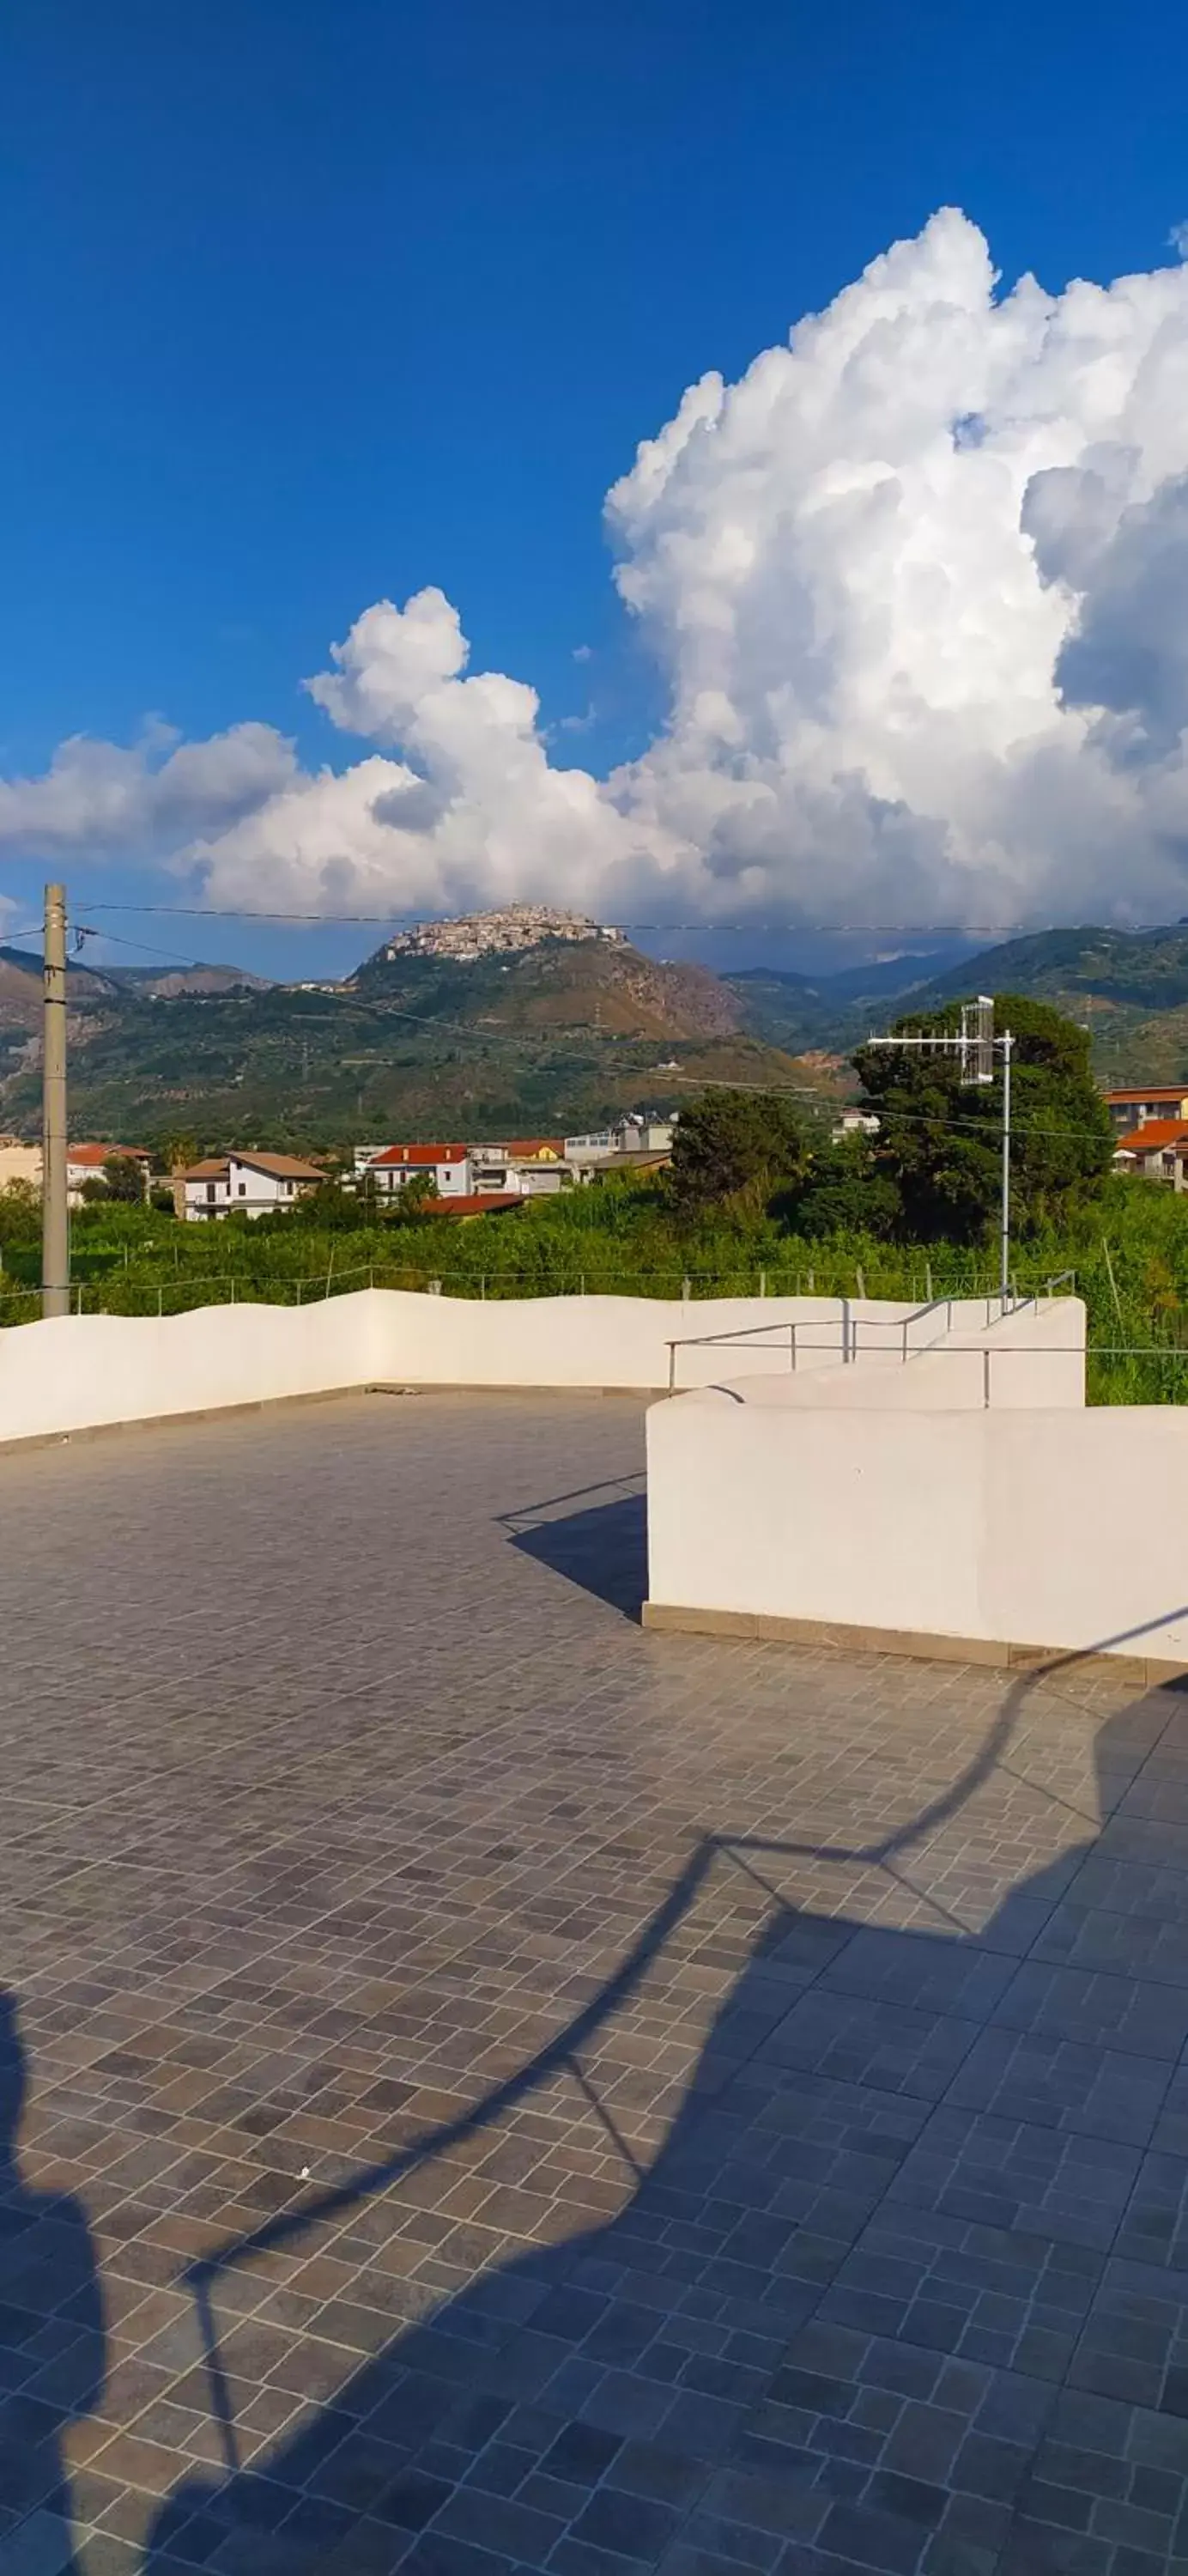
column 954, row 1521
column 80, row 1372
column 1034, row 1356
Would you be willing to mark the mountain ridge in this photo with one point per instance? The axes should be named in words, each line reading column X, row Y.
column 562, row 1032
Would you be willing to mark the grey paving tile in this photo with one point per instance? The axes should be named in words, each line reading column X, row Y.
column 1124, row 2013
column 1063, row 2084
column 844, row 2230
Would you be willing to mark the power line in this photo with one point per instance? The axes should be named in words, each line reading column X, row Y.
column 997, row 930
column 887, row 1117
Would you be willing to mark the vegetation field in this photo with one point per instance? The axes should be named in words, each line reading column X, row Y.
column 1126, row 1248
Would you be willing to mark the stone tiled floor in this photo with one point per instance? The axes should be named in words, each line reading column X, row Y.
column 505, row 2091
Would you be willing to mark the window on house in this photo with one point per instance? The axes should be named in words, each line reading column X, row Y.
column 243, row 1189
column 210, row 1193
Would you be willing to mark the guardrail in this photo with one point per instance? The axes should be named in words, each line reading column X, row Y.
column 850, row 1324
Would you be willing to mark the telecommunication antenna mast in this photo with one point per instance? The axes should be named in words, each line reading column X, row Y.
column 976, row 1045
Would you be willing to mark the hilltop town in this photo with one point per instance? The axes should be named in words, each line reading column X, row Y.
column 505, row 932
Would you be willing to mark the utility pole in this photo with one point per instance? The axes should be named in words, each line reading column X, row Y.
column 976, row 1045
column 55, row 1221
column 1006, row 1042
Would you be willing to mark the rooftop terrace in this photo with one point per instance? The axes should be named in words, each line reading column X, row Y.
column 511, row 2091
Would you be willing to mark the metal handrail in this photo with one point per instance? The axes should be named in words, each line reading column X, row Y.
column 746, row 1333
column 1008, row 1303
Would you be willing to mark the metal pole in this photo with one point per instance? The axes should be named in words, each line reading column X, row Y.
column 1004, row 1283
column 55, row 1218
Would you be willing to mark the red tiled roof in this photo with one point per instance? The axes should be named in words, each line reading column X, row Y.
column 532, row 1148
column 420, row 1155
column 1154, row 1133
column 479, row 1203
column 1152, row 1091
column 98, row 1155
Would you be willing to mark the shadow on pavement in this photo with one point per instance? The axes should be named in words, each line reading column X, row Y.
column 52, row 2340
column 595, row 1536
column 604, row 1549
column 906, row 2286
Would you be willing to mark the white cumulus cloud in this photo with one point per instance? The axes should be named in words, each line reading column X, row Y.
column 917, row 588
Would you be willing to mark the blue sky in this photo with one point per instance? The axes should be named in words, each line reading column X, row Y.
column 309, row 304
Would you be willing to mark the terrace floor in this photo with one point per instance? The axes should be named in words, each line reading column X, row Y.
column 504, row 2090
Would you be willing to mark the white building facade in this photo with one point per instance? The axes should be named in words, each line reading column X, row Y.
column 252, row 1184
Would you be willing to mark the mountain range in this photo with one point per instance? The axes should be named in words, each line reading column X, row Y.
column 560, row 1034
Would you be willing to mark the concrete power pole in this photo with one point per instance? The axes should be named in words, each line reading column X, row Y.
column 55, row 1222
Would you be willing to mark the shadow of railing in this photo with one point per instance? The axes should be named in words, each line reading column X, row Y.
column 521, row 2357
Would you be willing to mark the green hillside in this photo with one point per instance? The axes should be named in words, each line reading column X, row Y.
column 560, row 1037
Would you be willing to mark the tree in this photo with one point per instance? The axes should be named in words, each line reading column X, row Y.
column 737, row 1147
column 416, row 1197
column 940, row 1138
column 20, row 1213
column 177, row 1151
column 846, row 1193
column 122, row 1179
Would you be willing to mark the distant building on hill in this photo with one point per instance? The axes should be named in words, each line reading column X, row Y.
column 508, row 931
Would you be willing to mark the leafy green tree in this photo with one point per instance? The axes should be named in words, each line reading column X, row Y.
column 329, row 1208
column 415, row 1198
column 845, row 1192
column 177, row 1151
column 940, row 1139
column 20, row 1213
column 122, row 1179
column 737, row 1149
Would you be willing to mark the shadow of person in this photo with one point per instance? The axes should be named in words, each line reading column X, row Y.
column 865, row 2299
column 52, row 2340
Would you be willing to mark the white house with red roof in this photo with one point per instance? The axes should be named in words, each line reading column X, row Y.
column 449, row 1166
column 86, row 1163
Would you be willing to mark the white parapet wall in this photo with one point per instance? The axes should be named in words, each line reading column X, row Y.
column 83, row 1372
column 904, row 1508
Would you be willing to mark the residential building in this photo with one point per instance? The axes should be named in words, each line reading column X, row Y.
column 19, row 1163
column 86, row 1162
column 637, row 1142
column 1156, row 1150
column 637, row 1133
column 854, row 1122
column 449, row 1166
column 534, row 1165
column 253, row 1184
column 1132, row 1108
